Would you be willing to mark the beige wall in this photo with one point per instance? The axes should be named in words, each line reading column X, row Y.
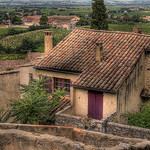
column 129, row 93
column 147, row 71
column 9, row 88
column 81, row 102
column 24, row 74
column 147, row 74
column 109, row 103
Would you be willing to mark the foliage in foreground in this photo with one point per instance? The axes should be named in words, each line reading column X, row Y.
column 4, row 115
column 140, row 119
column 36, row 103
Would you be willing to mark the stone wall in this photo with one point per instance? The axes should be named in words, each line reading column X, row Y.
column 31, row 137
column 147, row 75
column 106, row 125
column 65, row 117
column 127, row 131
column 14, row 64
column 69, row 119
column 128, row 95
column 9, row 87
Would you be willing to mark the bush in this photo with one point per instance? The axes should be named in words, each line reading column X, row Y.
column 36, row 103
column 4, row 115
column 9, row 68
column 140, row 119
column 36, row 27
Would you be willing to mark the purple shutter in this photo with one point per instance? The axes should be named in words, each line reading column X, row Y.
column 91, row 99
column 99, row 106
column 95, row 105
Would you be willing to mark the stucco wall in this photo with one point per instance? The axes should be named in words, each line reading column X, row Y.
column 147, row 74
column 109, row 103
column 24, row 74
column 147, row 71
column 81, row 102
column 9, row 88
column 129, row 93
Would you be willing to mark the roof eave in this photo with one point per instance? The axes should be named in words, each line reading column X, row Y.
column 56, row 70
column 92, row 89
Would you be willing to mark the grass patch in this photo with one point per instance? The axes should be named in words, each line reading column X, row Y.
column 5, row 30
column 13, row 43
column 127, row 28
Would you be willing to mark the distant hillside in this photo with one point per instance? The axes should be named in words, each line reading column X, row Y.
column 127, row 2
column 84, row 2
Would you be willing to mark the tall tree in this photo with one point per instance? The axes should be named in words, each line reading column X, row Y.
column 16, row 20
column 43, row 20
column 99, row 15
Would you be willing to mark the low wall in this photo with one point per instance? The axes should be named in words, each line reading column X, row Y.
column 106, row 125
column 127, row 131
column 66, row 118
column 19, row 136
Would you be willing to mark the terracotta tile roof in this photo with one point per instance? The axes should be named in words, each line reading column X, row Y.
column 31, row 56
column 14, row 64
column 76, row 53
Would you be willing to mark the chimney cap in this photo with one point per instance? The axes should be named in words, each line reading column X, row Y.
column 137, row 29
column 99, row 43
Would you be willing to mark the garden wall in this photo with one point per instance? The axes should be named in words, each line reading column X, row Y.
column 127, row 131
column 66, row 118
column 31, row 137
column 106, row 125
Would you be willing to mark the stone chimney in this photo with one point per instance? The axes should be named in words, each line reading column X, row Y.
column 48, row 41
column 137, row 30
column 99, row 51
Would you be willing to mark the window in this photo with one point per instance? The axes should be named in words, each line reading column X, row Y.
column 62, row 83
column 30, row 77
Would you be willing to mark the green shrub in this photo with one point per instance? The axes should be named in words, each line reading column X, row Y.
column 9, row 68
column 140, row 119
column 4, row 115
column 36, row 103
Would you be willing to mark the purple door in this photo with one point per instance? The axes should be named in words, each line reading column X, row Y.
column 48, row 84
column 95, row 105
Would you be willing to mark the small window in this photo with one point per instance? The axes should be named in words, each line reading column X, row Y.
column 30, row 77
column 62, row 83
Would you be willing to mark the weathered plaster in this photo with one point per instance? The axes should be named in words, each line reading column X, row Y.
column 109, row 103
column 129, row 93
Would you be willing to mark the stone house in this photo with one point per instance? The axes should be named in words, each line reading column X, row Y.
column 10, row 77
column 103, row 71
column 68, row 22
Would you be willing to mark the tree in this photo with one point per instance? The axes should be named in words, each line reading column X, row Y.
column 36, row 103
column 136, row 18
column 43, row 20
column 16, row 20
column 99, row 15
column 27, row 44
